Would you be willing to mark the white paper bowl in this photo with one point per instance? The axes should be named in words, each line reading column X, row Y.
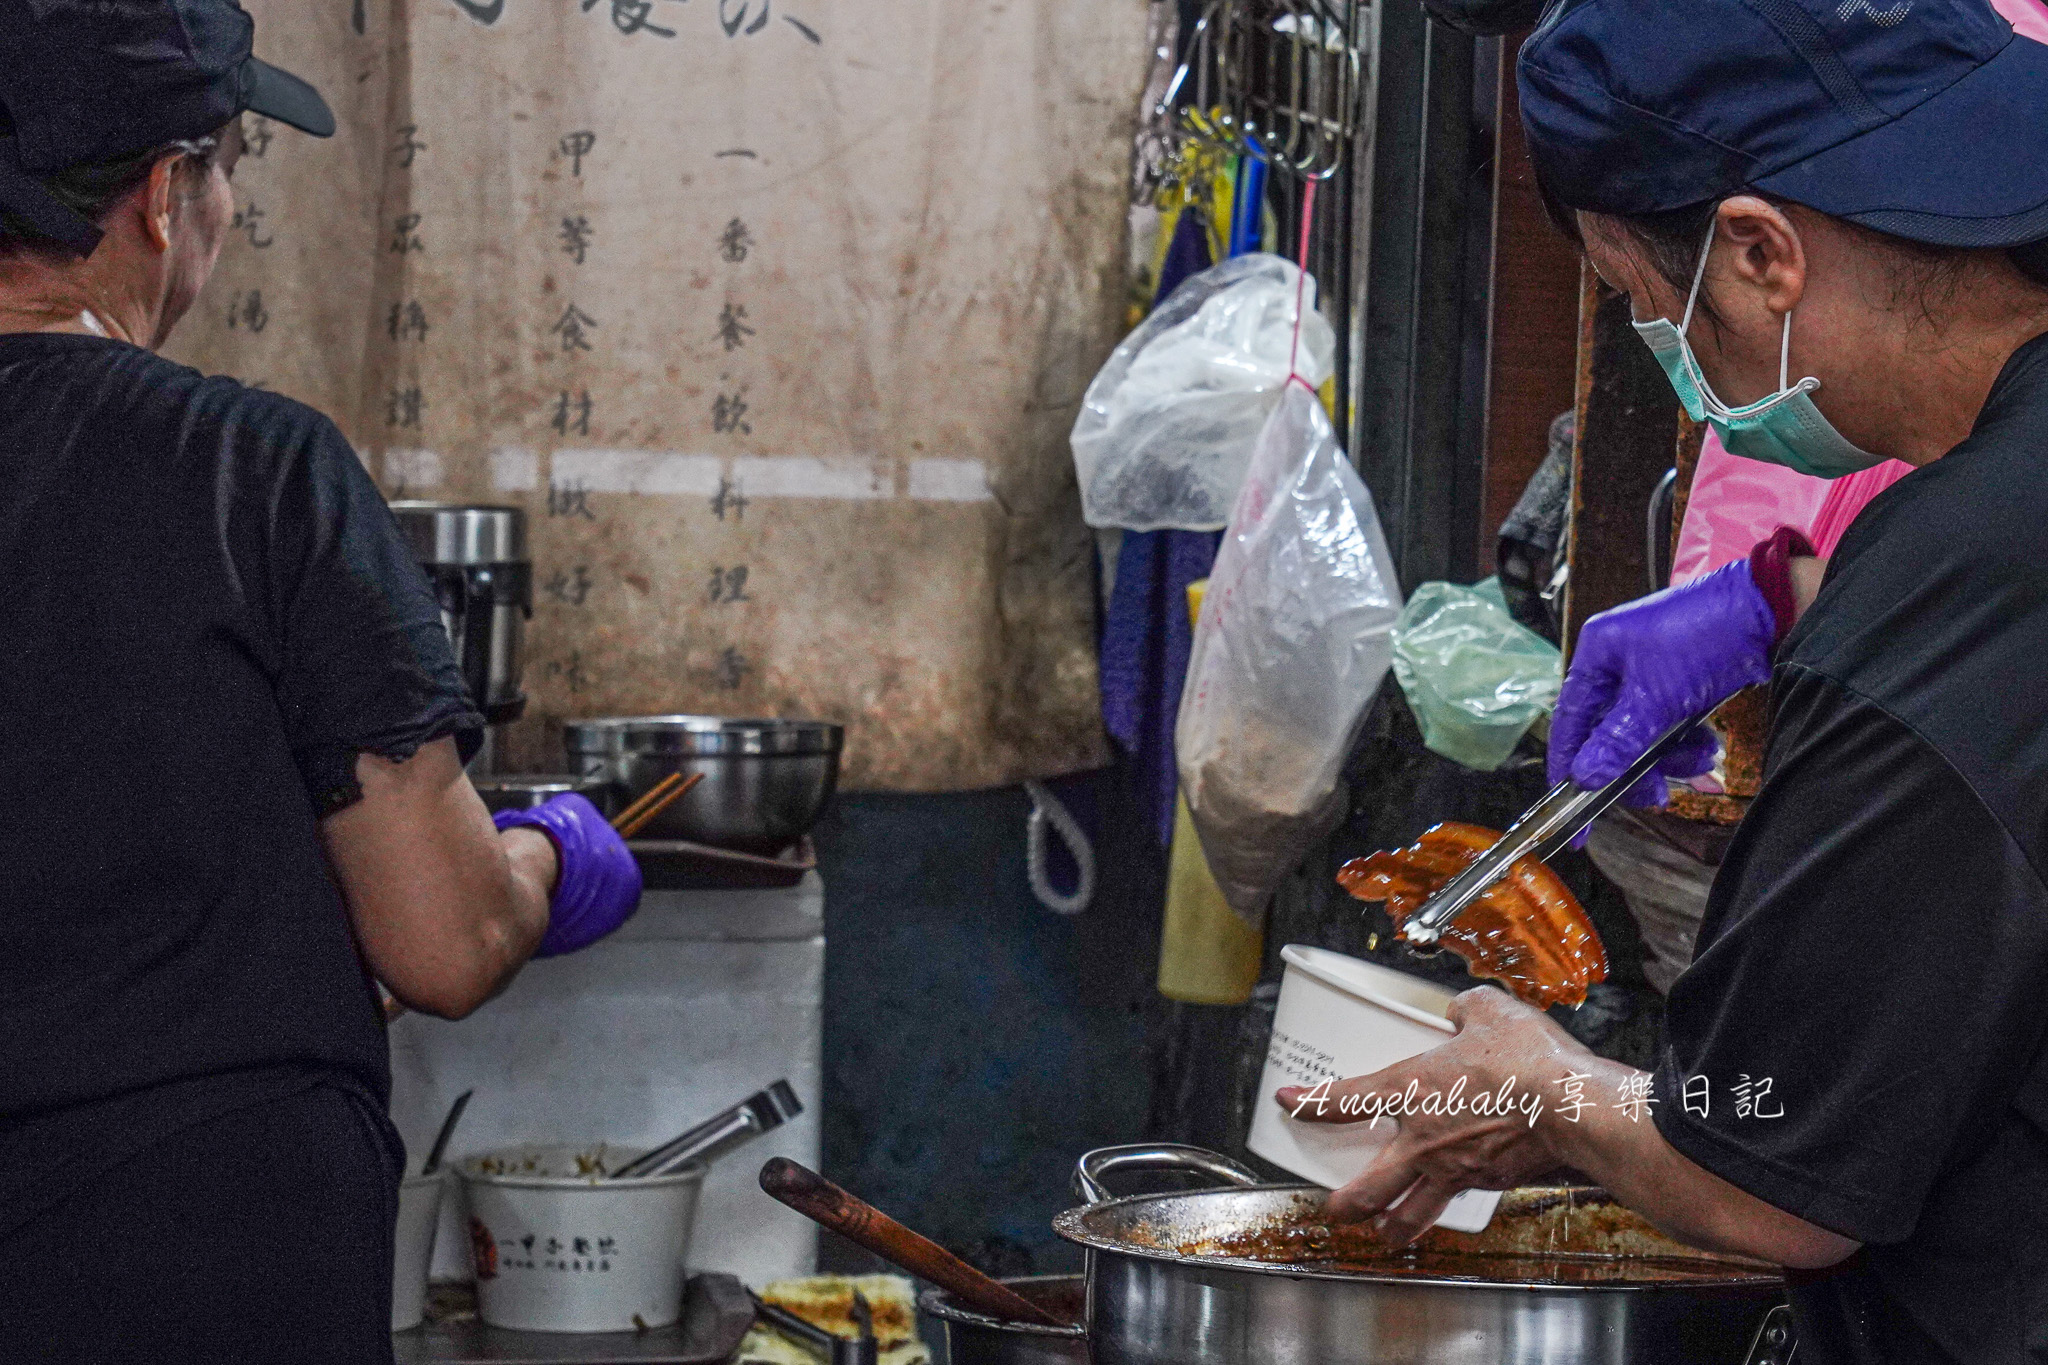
column 556, row 1253
column 419, row 1210
column 1340, row 1017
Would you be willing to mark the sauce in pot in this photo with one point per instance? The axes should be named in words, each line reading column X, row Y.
column 1582, row 1239
column 1313, row 1253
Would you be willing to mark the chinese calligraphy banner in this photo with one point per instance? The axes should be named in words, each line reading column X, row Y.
column 773, row 314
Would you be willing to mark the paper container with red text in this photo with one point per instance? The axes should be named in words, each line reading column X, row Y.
column 1340, row 1017
column 557, row 1252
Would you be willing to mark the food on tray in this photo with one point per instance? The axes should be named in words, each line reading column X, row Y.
column 827, row 1301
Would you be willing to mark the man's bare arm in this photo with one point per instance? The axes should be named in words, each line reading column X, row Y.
column 446, row 908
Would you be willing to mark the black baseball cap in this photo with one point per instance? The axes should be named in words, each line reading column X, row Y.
column 83, row 81
column 1918, row 118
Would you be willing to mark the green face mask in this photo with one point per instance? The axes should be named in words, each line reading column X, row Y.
column 1784, row 428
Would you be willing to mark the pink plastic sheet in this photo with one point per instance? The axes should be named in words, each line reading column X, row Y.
column 2029, row 18
column 1737, row 502
column 1846, row 498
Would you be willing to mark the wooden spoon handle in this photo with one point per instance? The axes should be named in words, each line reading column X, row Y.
column 818, row 1199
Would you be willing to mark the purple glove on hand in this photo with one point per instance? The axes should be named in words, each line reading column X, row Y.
column 1645, row 666
column 598, row 886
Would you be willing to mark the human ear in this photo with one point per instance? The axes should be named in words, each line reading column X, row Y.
column 1768, row 254
column 157, row 193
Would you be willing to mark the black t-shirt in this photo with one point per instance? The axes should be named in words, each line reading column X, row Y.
column 1876, row 944
column 206, row 613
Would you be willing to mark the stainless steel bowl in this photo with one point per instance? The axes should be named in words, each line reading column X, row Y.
column 765, row 781
column 524, row 792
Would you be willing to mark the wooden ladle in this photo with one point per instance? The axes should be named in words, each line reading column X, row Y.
column 860, row 1222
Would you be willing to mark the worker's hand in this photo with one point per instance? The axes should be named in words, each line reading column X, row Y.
column 1505, row 1055
column 1645, row 666
column 598, row 885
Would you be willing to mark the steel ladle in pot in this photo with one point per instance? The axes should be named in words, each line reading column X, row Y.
column 1152, row 1302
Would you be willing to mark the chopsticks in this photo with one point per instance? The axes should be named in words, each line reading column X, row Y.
column 659, row 798
column 627, row 822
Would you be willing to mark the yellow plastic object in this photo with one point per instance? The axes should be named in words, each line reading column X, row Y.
column 1208, row 954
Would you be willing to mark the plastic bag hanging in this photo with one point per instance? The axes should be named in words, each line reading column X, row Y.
column 1475, row 677
column 1295, row 636
column 1168, row 424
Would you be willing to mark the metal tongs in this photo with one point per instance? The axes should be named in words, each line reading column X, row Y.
column 836, row 1350
column 1542, row 831
column 761, row 1112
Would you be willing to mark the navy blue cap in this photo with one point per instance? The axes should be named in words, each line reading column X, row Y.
column 1919, row 118
column 84, row 81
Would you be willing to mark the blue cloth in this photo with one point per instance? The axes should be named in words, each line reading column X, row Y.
column 1187, row 254
column 1919, row 118
column 1146, row 638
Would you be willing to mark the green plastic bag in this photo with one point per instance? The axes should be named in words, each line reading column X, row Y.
column 1476, row 678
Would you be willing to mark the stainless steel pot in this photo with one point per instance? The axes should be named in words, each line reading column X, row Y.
column 973, row 1339
column 1150, row 1303
column 475, row 556
column 765, row 781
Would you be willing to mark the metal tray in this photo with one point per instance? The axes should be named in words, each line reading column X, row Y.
column 679, row 865
column 716, row 1316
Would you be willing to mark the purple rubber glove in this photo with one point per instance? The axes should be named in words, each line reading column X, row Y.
column 1646, row 665
column 598, row 887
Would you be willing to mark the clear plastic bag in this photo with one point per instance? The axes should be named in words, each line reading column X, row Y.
column 1294, row 638
column 1168, row 424
column 1475, row 677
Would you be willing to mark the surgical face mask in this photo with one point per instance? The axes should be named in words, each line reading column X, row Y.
column 1784, row 428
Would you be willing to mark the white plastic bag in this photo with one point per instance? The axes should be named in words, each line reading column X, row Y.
column 1167, row 426
column 1295, row 635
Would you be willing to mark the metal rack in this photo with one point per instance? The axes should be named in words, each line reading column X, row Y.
column 1278, row 80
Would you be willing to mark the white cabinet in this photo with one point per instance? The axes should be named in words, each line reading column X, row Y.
column 701, row 999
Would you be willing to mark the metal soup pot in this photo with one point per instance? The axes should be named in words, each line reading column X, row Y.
column 975, row 1339
column 1152, row 1302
